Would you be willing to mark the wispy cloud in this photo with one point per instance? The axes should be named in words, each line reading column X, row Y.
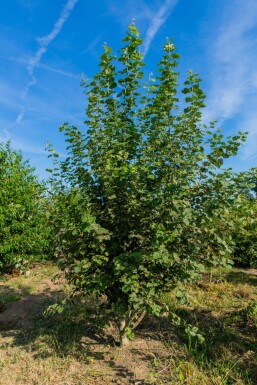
column 43, row 45
column 127, row 9
column 91, row 47
column 59, row 71
column 233, row 73
column 21, row 143
column 150, row 16
column 29, row 4
column 8, row 97
column 157, row 21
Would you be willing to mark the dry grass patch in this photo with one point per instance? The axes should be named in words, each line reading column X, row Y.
column 70, row 349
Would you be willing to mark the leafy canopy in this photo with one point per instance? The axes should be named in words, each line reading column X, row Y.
column 140, row 192
column 23, row 229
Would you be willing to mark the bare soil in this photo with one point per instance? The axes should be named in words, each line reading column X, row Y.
column 33, row 352
column 106, row 363
column 22, row 310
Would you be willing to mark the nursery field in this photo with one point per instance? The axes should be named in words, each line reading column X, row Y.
column 135, row 213
column 217, row 344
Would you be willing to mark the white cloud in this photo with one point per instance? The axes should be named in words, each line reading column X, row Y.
column 249, row 152
column 59, row 71
column 18, row 142
column 233, row 72
column 150, row 16
column 127, row 9
column 8, row 97
column 43, row 45
column 29, row 4
column 28, row 147
column 232, row 55
column 91, row 47
column 157, row 20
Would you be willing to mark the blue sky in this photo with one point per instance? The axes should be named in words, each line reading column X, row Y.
column 45, row 46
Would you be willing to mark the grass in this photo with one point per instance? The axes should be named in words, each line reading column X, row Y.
column 68, row 348
column 224, row 311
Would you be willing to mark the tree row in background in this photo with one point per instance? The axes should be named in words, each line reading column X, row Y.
column 24, row 232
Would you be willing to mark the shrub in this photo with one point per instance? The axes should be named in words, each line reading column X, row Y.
column 141, row 199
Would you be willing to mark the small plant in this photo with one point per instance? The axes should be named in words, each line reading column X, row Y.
column 251, row 314
column 194, row 337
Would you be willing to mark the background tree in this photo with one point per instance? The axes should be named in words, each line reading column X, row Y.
column 142, row 187
column 244, row 231
column 23, row 228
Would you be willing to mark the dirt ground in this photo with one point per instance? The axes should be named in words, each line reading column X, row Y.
column 69, row 351
column 21, row 310
column 106, row 363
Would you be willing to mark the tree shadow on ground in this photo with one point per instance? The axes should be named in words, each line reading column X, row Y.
column 230, row 337
column 76, row 332
column 9, row 295
column 73, row 333
column 243, row 277
column 64, row 327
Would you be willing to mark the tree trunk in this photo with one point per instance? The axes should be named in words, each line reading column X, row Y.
column 131, row 322
column 124, row 341
column 137, row 320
